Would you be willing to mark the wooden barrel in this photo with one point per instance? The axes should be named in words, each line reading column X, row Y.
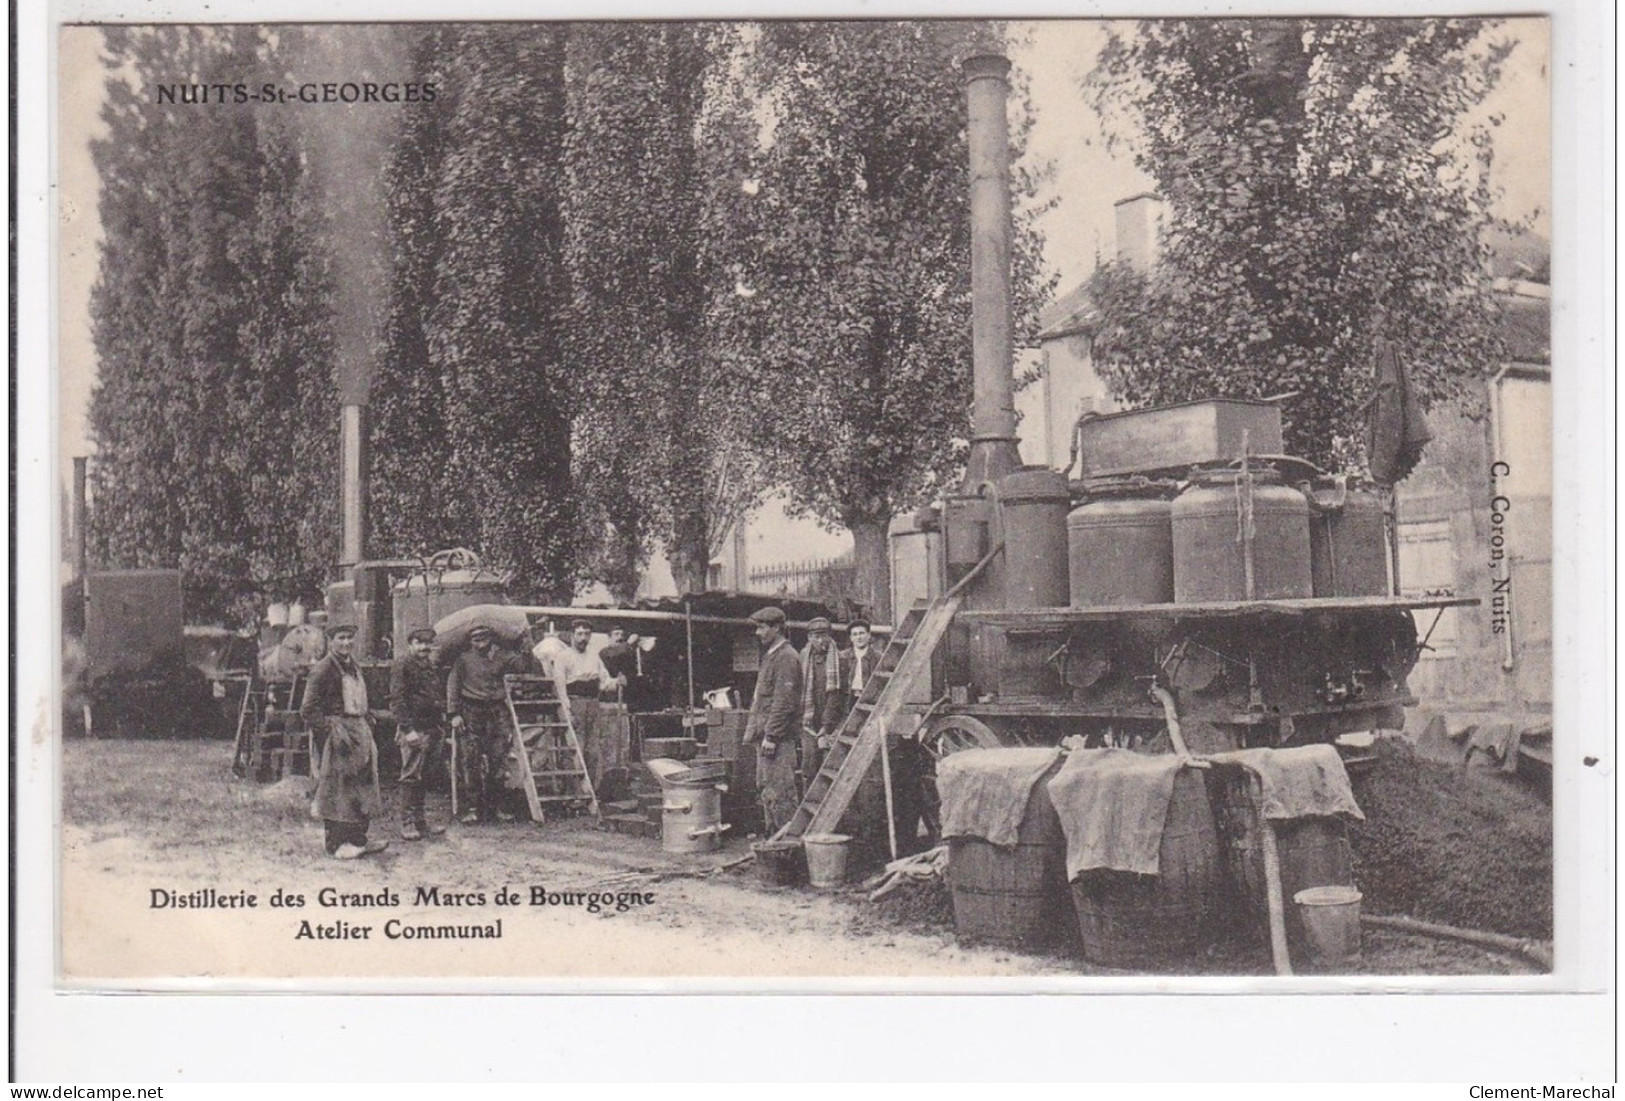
column 1013, row 895
column 1314, row 851
column 1151, row 921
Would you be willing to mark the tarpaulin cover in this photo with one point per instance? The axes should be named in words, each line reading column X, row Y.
column 984, row 792
column 1113, row 805
column 1298, row 782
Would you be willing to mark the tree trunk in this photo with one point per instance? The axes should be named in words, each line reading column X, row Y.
column 690, row 555
column 872, row 584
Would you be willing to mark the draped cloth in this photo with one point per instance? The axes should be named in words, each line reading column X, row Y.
column 985, row 792
column 1113, row 805
column 1397, row 430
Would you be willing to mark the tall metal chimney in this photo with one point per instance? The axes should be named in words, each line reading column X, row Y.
column 353, row 483
column 79, row 519
column 993, row 424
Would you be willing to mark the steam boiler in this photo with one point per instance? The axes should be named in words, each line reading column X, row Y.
column 1182, row 573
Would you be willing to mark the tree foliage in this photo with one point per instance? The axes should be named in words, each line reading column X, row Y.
column 650, row 178
column 211, row 328
column 415, row 509
column 859, row 311
column 480, row 395
column 1323, row 191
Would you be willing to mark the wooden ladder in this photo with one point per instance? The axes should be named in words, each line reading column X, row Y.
column 904, row 668
column 554, row 770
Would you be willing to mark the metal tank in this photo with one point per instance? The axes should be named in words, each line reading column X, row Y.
column 1120, row 544
column 1033, row 506
column 1348, row 540
column 1240, row 536
column 428, row 596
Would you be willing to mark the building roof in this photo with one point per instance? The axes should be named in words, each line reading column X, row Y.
column 1527, row 326
column 1072, row 313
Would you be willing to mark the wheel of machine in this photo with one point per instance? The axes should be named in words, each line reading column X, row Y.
column 951, row 733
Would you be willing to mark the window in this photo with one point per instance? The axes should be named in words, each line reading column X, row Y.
column 1427, row 567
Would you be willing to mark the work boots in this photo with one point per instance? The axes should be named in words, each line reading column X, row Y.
column 414, row 825
column 411, row 812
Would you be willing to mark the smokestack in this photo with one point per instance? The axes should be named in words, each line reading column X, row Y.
column 993, row 425
column 353, row 484
column 81, row 514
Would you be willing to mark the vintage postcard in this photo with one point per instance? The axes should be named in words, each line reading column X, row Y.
column 917, row 505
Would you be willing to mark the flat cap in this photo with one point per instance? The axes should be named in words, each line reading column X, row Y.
column 818, row 623
column 576, row 624
column 422, row 634
column 481, row 632
column 337, row 630
column 773, row 617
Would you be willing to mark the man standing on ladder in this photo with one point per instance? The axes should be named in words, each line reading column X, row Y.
column 476, row 700
column 335, row 707
column 418, row 703
column 774, row 721
column 584, row 678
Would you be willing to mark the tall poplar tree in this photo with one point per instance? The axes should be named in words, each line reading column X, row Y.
column 210, row 327
column 499, row 292
column 654, row 157
column 860, row 307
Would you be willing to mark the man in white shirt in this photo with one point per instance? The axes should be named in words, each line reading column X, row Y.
column 584, row 677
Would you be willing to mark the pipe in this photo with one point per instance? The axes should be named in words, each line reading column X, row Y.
column 352, row 485
column 1531, row 950
column 993, row 420
column 1272, row 891
column 1171, row 716
column 564, row 612
column 81, row 515
column 688, row 632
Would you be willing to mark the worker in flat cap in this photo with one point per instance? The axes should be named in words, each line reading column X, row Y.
column 774, row 722
column 585, row 677
column 417, row 698
column 335, row 707
column 619, row 658
column 821, row 697
column 476, row 700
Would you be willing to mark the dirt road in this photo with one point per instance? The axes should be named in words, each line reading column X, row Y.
column 161, row 848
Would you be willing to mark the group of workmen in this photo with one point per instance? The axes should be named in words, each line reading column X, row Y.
column 800, row 701
column 472, row 701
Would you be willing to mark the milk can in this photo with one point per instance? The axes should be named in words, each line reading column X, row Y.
column 1120, row 544
column 1240, row 537
column 1348, row 540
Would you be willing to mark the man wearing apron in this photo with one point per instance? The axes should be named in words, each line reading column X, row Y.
column 335, row 707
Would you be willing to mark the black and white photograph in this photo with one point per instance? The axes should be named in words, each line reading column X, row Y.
column 910, row 502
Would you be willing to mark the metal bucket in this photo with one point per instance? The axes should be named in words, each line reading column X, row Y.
column 691, row 818
column 1331, row 924
column 778, row 863
column 826, row 859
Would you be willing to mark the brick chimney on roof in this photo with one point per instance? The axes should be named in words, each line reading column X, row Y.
column 1139, row 230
